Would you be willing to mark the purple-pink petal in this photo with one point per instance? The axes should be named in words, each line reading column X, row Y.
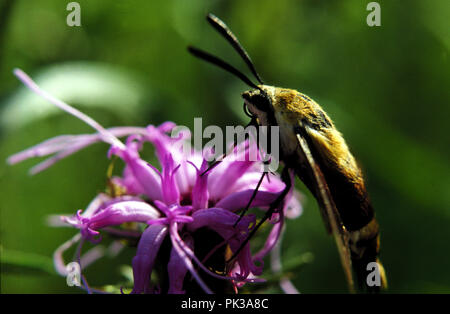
column 144, row 260
column 181, row 194
column 115, row 214
column 106, row 135
column 185, row 253
column 221, row 185
column 200, row 194
column 272, row 239
column 250, row 179
column 239, row 200
column 118, row 213
column 177, row 269
column 222, row 221
column 171, row 194
column 146, row 176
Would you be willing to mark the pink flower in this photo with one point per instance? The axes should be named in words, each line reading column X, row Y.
column 173, row 201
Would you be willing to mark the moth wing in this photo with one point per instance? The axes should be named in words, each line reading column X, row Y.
column 330, row 214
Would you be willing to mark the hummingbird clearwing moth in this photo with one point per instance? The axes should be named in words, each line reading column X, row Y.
column 317, row 153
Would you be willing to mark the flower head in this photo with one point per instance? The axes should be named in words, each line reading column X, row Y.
column 174, row 202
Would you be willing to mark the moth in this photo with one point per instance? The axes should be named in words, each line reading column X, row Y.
column 312, row 147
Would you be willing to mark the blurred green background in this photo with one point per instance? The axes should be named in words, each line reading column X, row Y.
column 386, row 88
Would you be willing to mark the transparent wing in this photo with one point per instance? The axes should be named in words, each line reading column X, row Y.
column 329, row 212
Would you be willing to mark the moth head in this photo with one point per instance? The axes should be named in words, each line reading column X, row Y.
column 258, row 103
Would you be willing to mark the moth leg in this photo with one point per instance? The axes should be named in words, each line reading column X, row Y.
column 265, row 173
column 286, row 178
column 253, row 123
column 251, row 198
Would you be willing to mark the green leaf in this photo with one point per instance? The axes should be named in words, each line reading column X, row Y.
column 27, row 260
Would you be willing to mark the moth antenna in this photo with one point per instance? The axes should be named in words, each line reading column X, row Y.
column 212, row 166
column 219, row 160
column 223, row 29
column 221, row 64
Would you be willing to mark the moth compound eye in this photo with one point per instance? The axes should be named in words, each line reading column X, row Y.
column 247, row 112
column 261, row 102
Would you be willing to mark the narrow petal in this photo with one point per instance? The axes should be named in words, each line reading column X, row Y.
column 107, row 136
column 57, row 157
column 144, row 260
column 115, row 214
column 272, row 239
column 221, row 185
column 180, row 151
column 58, row 259
column 271, row 183
column 200, row 194
column 145, row 175
column 97, row 203
column 275, row 264
column 219, row 220
column 222, row 221
column 47, row 147
column 177, row 269
column 170, row 191
column 65, row 145
column 239, row 200
column 185, row 254
column 118, row 213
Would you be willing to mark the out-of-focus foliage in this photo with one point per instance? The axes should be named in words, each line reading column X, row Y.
column 386, row 88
